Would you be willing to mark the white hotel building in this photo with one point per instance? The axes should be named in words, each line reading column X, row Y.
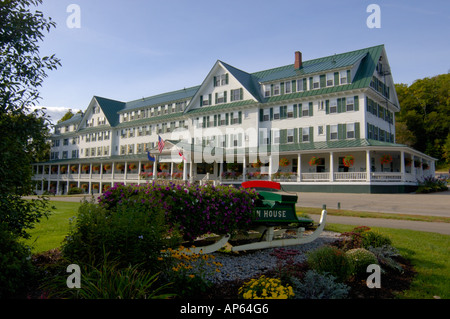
column 325, row 125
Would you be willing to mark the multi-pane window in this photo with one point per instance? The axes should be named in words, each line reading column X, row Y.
column 276, row 89
column 287, row 87
column 330, row 77
column 333, row 106
column 276, row 113
column 333, row 132
column 350, row 104
column 276, row 136
column 290, row 135
column 350, row 130
column 305, row 109
column 290, row 111
column 305, row 134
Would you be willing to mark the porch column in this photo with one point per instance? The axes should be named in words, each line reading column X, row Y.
column 368, row 167
column 299, row 167
column 191, row 171
column 270, row 166
column 125, row 173
column 402, row 165
column 113, row 168
column 220, row 171
column 184, row 170
column 413, row 167
column 331, row 167
column 139, row 172
column 244, row 168
column 171, row 170
column 155, row 165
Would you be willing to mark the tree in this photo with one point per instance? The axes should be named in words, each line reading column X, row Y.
column 24, row 132
column 424, row 119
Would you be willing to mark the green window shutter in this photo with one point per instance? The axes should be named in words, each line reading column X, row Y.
column 304, row 84
column 340, row 106
column 214, row 81
column 225, row 97
column 357, row 130
column 283, row 136
column 295, row 111
column 283, row 112
column 204, row 122
column 356, row 103
column 295, row 135
column 226, row 78
column 240, row 117
column 261, row 115
column 227, row 117
column 207, row 121
column 310, row 108
column 341, row 131
column 367, row 104
column 323, row 82
column 349, row 75
column 281, row 88
column 241, row 94
column 210, row 99
column 271, row 90
column 216, row 97
column 201, row 100
column 328, row 133
column 294, row 86
column 327, row 106
column 311, row 134
column 300, row 110
column 271, row 113
column 336, row 78
column 215, row 120
column 310, row 83
column 300, row 135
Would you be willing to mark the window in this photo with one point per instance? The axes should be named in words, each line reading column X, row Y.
column 66, row 142
column 290, row 135
column 350, row 104
column 276, row 136
column 220, row 97
column 305, row 109
column 320, row 105
column 204, row 100
column 65, row 154
column 316, row 82
column 93, row 151
column 333, row 132
column 222, row 119
column 287, row 87
column 266, row 116
column 351, row 130
column 75, row 154
column 276, row 113
column 267, row 90
column 263, row 137
column 330, row 77
column 300, row 85
column 122, row 150
column 343, row 76
column 320, row 129
column 290, row 111
column 220, row 80
column 236, row 95
column 333, row 106
column 235, row 118
column 305, row 134
column 276, row 89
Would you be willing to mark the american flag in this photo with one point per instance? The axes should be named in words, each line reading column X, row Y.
column 161, row 144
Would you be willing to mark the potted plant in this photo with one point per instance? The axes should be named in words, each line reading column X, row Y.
column 348, row 161
column 386, row 159
column 284, row 162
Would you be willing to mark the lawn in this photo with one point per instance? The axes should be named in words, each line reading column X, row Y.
column 428, row 252
column 49, row 233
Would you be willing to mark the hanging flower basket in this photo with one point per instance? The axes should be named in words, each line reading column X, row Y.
column 408, row 162
column 257, row 164
column 85, row 167
column 107, row 167
column 120, row 166
column 348, row 161
column 63, row 169
column 132, row 166
column 96, row 168
column 284, row 162
column 74, row 168
column 315, row 161
column 417, row 164
column 148, row 166
column 425, row 166
column 95, row 186
column 163, row 166
column 386, row 159
column 54, row 169
column 180, row 166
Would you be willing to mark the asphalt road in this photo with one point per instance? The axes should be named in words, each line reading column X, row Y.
column 435, row 204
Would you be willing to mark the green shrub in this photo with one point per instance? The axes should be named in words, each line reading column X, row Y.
column 319, row 286
column 374, row 239
column 330, row 260
column 385, row 255
column 360, row 258
column 195, row 209
column 75, row 191
column 15, row 266
column 130, row 235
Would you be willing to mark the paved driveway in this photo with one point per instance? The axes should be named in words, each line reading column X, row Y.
column 435, row 204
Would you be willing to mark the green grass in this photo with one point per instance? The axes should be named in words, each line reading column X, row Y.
column 49, row 233
column 341, row 212
column 428, row 252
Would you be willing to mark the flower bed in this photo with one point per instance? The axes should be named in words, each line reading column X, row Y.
column 195, row 210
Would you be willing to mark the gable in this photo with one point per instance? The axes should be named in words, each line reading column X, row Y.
column 101, row 112
column 223, row 85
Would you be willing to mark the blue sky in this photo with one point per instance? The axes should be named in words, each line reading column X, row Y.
column 126, row 50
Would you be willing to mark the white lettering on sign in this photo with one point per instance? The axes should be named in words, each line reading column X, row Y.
column 271, row 213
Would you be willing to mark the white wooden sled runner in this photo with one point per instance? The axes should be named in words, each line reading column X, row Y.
column 274, row 209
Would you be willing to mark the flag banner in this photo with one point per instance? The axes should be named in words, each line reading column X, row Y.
column 161, row 144
column 150, row 158
column 180, row 152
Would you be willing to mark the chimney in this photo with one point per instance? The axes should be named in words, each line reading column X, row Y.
column 298, row 60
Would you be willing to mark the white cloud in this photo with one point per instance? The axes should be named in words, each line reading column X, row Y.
column 55, row 112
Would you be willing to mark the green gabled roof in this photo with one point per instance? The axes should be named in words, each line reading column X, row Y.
column 220, row 107
column 76, row 118
column 161, row 98
column 249, row 81
column 165, row 117
column 110, row 108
